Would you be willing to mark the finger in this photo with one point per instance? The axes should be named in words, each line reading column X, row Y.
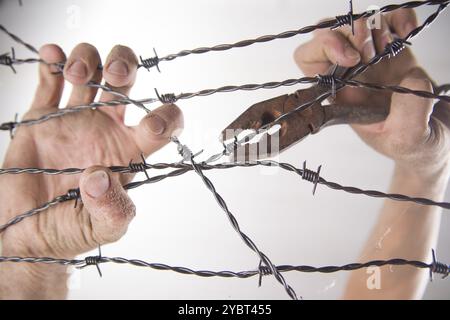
column 362, row 39
column 120, row 75
column 51, row 85
column 382, row 36
column 107, row 203
column 82, row 67
column 402, row 21
column 155, row 129
column 316, row 56
column 409, row 115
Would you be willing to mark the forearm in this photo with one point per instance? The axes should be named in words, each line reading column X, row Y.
column 31, row 281
column 404, row 230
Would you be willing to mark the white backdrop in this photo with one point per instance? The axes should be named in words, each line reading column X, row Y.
column 178, row 222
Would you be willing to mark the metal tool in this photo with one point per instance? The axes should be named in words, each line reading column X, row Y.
column 298, row 125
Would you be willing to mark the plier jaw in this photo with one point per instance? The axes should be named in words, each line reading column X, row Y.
column 288, row 131
column 310, row 116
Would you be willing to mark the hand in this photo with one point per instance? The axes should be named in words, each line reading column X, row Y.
column 84, row 139
column 411, row 135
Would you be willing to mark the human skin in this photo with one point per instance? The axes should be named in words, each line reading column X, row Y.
column 416, row 141
column 412, row 136
column 85, row 139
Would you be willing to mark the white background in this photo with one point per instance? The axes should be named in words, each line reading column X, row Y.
column 178, row 222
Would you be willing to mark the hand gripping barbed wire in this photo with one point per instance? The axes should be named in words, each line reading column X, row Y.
column 187, row 155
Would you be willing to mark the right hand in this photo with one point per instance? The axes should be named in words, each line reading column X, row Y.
column 411, row 135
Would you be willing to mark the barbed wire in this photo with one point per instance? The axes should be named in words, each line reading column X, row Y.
column 391, row 50
column 188, row 164
column 182, row 168
column 337, row 22
column 435, row 267
column 172, row 98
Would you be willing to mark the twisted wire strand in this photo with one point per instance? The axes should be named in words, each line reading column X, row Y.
column 443, row 270
column 6, row 126
column 391, row 50
column 363, row 66
column 182, row 168
column 378, row 194
column 34, row 211
column 18, row 40
column 126, row 101
column 62, row 112
column 188, row 155
column 331, row 23
column 60, row 67
column 74, row 194
column 397, row 89
column 15, row 61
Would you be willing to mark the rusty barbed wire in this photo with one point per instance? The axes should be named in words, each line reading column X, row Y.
column 435, row 267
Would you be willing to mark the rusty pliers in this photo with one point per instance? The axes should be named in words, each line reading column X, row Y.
column 296, row 126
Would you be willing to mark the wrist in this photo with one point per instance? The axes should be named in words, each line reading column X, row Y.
column 23, row 280
column 33, row 281
column 432, row 177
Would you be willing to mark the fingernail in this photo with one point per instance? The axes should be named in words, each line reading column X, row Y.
column 351, row 53
column 77, row 69
column 97, row 183
column 369, row 50
column 118, row 68
column 156, row 124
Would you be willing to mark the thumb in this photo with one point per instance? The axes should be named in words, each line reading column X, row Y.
column 409, row 115
column 155, row 129
column 107, row 203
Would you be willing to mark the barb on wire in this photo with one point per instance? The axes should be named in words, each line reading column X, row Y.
column 266, row 267
column 435, row 267
column 328, row 80
column 187, row 154
column 18, row 40
column 347, row 19
column 72, row 194
column 391, row 48
column 94, row 261
column 182, row 168
column 337, row 22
